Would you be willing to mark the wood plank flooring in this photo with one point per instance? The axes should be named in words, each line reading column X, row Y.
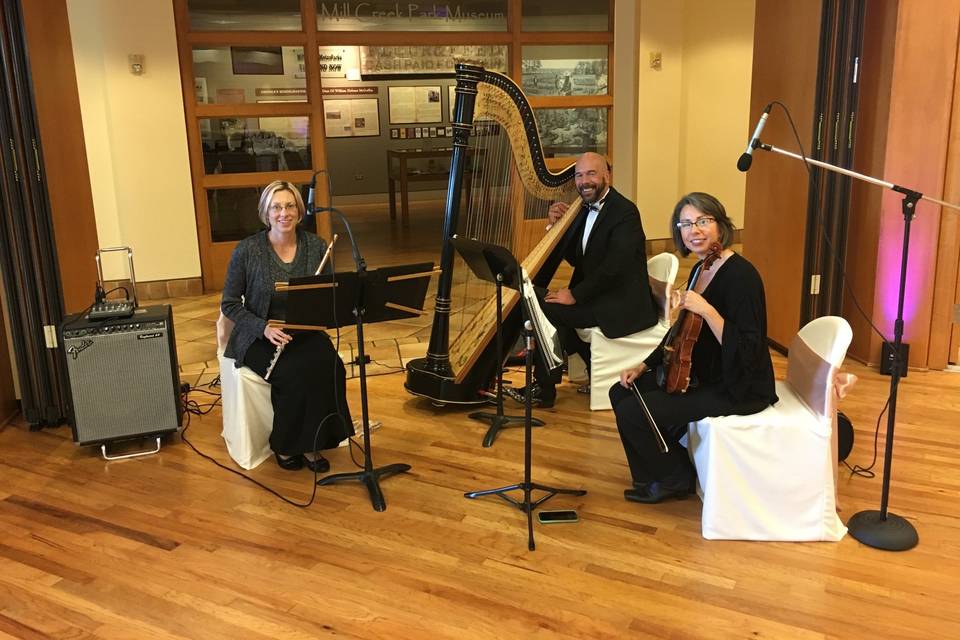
column 171, row 546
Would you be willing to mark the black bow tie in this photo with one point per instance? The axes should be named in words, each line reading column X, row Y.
column 596, row 205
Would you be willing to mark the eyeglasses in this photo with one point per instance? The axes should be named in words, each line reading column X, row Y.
column 277, row 207
column 701, row 223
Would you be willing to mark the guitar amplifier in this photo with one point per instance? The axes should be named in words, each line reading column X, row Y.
column 123, row 374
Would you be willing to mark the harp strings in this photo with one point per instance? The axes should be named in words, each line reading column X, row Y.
column 489, row 214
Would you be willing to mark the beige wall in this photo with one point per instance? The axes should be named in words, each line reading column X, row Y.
column 623, row 147
column 692, row 122
column 134, row 134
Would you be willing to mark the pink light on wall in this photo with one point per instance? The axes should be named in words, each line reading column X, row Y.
column 922, row 252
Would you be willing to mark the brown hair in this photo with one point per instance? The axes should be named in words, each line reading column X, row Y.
column 707, row 205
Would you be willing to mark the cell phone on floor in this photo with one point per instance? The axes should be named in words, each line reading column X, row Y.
column 555, row 517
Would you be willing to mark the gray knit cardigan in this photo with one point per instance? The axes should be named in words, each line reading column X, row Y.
column 249, row 285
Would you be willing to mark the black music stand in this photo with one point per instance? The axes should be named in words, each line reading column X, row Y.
column 495, row 264
column 388, row 293
column 527, row 486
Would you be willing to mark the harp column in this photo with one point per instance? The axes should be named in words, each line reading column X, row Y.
column 438, row 351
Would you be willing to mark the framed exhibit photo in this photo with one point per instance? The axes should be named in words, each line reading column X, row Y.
column 267, row 61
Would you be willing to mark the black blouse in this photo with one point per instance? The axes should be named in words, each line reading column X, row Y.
column 741, row 366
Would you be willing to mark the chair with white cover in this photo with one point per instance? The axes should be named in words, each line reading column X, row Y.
column 610, row 356
column 772, row 475
column 247, row 409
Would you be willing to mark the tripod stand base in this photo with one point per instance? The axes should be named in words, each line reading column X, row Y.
column 371, row 479
column 526, row 505
column 498, row 422
column 893, row 534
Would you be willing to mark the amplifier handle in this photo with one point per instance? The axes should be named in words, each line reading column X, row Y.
column 103, row 452
column 133, row 277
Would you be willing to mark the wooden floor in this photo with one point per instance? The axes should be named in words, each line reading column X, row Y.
column 171, row 546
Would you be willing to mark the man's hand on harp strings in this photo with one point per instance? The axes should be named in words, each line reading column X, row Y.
column 555, row 212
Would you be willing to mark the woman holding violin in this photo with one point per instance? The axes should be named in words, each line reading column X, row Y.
column 722, row 370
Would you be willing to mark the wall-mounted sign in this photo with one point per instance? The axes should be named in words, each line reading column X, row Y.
column 335, row 61
column 350, row 91
column 389, row 15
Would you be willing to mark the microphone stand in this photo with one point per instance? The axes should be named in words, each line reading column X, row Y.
column 881, row 529
column 370, row 476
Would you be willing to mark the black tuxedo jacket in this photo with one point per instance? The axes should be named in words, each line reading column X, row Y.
column 610, row 277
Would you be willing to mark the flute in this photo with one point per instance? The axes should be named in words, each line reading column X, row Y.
column 326, row 255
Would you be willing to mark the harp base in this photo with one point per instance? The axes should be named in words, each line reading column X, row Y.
column 442, row 388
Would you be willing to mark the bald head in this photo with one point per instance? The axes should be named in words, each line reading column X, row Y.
column 591, row 176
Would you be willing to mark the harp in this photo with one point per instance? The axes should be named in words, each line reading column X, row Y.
column 495, row 131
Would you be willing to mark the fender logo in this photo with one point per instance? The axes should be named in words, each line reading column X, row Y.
column 75, row 350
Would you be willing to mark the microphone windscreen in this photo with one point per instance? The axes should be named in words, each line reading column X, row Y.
column 745, row 161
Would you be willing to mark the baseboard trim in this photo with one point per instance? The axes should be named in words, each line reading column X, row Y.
column 159, row 289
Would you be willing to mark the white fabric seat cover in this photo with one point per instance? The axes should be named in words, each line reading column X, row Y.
column 247, row 409
column 610, row 356
column 772, row 475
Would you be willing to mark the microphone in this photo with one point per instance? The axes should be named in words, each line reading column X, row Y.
column 746, row 159
column 311, row 192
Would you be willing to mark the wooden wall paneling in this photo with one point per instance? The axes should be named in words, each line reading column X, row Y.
column 194, row 146
column 876, row 70
column 786, row 37
column 67, row 175
column 318, row 131
column 916, row 156
column 944, row 332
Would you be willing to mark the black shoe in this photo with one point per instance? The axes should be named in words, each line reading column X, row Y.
column 655, row 492
column 318, row 465
column 539, row 398
column 293, row 463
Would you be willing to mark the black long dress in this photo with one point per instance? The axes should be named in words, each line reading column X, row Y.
column 308, row 382
column 732, row 378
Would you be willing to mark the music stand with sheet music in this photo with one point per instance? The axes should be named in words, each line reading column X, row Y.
column 527, row 505
column 343, row 299
column 488, row 261
column 494, row 264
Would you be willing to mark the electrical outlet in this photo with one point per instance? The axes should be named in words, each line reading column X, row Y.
column 358, row 176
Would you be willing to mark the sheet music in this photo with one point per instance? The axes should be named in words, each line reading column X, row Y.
column 548, row 341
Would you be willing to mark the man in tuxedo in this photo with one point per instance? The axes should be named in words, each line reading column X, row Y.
column 609, row 288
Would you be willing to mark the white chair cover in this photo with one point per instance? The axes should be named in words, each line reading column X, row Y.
column 247, row 409
column 610, row 356
column 771, row 475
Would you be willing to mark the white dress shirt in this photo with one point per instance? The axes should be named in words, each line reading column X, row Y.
column 594, row 211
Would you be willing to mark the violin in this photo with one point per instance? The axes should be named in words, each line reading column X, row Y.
column 673, row 375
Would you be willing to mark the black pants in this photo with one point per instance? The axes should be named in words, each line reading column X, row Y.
column 672, row 413
column 308, row 393
column 566, row 318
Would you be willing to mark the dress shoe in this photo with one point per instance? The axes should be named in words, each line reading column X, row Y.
column 293, row 463
column 539, row 397
column 655, row 492
column 318, row 465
